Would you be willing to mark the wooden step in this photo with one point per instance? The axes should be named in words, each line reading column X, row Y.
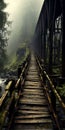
column 34, row 97
column 38, row 108
column 32, row 127
column 32, row 101
column 32, row 93
column 33, row 90
column 32, row 83
column 33, row 87
column 20, row 117
column 32, row 80
column 32, row 73
column 33, row 112
column 30, row 121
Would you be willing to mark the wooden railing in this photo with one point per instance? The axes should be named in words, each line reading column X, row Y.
column 9, row 99
column 51, row 92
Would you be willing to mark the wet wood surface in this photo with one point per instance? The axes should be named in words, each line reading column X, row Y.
column 33, row 105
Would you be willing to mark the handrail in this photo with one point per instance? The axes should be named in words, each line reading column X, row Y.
column 3, row 98
column 10, row 93
column 5, row 112
column 55, row 91
column 52, row 87
column 8, row 86
column 21, row 76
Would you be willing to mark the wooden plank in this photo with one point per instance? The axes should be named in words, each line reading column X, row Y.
column 32, row 80
column 3, row 98
column 34, row 103
column 33, row 72
column 32, row 83
column 45, row 121
column 33, row 87
column 34, row 97
column 33, row 90
column 32, row 116
column 32, row 93
column 33, row 100
column 38, row 108
column 8, row 86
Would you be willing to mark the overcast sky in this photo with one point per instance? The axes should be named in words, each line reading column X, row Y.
column 24, row 14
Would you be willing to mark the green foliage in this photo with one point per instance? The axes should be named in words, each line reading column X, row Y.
column 2, row 4
column 56, row 70
column 61, row 90
column 15, row 60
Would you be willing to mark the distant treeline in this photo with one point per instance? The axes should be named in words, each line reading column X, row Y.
column 3, row 34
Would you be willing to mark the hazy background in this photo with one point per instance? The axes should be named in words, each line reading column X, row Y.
column 24, row 15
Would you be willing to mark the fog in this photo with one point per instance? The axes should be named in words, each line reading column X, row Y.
column 24, row 15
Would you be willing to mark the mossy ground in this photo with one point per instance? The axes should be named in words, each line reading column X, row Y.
column 14, row 61
column 61, row 91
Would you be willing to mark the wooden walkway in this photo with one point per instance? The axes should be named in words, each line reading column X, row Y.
column 32, row 112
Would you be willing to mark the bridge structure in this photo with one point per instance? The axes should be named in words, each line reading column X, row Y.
column 32, row 102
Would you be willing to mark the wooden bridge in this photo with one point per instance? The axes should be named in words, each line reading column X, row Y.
column 32, row 101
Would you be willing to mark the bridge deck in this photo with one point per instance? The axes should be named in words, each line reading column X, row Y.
column 32, row 112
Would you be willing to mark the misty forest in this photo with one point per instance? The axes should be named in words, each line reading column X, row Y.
column 16, row 30
column 32, row 65
column 3, row 38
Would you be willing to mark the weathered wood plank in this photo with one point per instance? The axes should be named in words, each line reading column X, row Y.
column 33, row 87
column 33, row 90
column 32, row 83
column 45, row 121
column 33, row 106
column 32, row 93
column 32, row 116
column 33, row 103
column 34, row 97
column 38, row 108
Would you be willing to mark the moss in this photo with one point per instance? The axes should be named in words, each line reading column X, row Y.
column 61, row 91
column 14, row 61
column 56, row 71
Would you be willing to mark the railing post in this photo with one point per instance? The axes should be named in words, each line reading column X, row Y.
column 12, row 87
column 19, row 71
column 53, row 97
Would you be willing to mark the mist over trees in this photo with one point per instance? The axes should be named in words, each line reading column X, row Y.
column 3, row 31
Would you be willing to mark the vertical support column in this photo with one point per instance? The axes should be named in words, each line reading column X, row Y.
column 41, row 34
column 50, row 50
column 19, row 71
column 63, row 40
column 44, row 48
column 53, row 97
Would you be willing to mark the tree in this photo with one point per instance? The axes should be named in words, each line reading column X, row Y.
column 3, row 30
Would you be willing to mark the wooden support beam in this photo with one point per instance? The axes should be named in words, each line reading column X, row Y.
column 63, row 40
